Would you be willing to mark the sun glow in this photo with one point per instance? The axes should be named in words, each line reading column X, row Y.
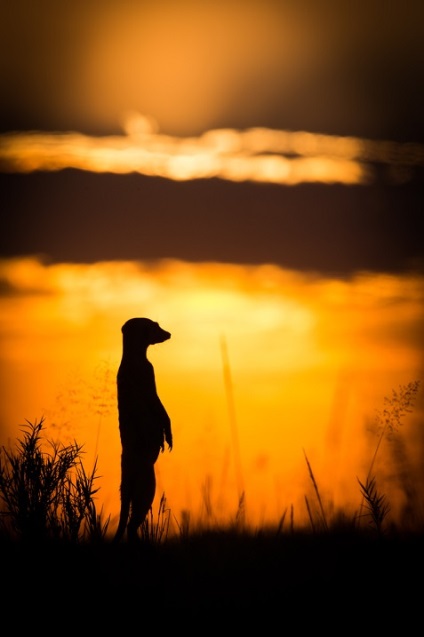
column 310, row 360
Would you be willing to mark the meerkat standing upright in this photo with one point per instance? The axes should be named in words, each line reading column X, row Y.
column 144, row 424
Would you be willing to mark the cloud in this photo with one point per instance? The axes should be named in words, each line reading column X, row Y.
column 257, row 154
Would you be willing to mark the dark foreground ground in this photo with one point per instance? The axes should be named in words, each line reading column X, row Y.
column 218, row 581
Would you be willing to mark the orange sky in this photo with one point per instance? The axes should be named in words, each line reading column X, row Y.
column 310, row 359
column 283, row 94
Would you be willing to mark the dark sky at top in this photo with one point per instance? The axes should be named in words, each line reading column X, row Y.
column 318, row 65
column 323, row 67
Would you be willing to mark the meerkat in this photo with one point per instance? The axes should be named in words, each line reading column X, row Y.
column 144, row 424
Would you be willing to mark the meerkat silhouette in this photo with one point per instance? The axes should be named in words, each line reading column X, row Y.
column 144, row 424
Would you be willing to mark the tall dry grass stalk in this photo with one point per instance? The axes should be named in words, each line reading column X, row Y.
column 318, row 496
column 280, row 525
column 229, row 392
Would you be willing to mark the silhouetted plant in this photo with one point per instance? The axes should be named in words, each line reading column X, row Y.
column 376, row 503
column 184, row 527
column 240, row 519
column 156, row 531
column 47, row 494
column 324, row 523
column 281, row 522
column 388, row 421
column 311, row 517
column 96, row 525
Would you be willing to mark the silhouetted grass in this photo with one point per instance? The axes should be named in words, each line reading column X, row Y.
column 321, row 508
column 252, row 577
column 376, row 503
column 45, row 491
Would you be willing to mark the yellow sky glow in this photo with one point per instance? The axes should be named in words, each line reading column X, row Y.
column 310, row 358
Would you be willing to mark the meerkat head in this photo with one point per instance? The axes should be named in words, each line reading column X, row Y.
column 142, row 332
